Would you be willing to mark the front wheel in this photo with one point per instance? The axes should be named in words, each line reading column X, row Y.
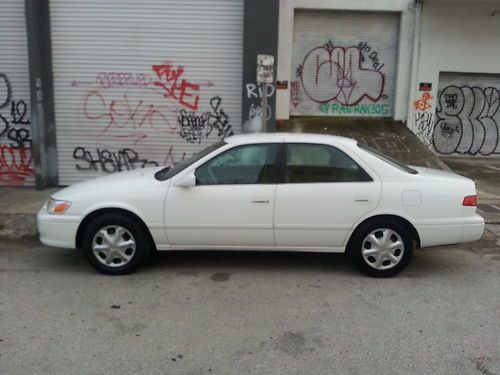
column 115, row 244
column 381, row 248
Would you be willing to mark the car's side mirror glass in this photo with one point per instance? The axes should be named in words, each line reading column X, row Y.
column 188, row 180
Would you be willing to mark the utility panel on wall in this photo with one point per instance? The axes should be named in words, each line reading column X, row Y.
column 344, row 63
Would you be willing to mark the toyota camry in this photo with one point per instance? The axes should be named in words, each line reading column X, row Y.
column 286, row 192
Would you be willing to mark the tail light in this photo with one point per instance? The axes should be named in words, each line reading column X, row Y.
column 470, row 200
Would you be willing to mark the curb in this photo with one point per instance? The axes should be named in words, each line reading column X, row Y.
column 18, row 226
column 23, row 226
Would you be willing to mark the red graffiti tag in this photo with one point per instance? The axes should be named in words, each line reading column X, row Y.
column 422, row 103
column 175, row 87
column 127, row 114
column 334, row 73
column 15, row 165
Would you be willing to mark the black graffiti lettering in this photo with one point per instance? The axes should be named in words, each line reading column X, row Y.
column 5, row 90
column 18, row 111
column 19, row 137
column 220, row 120
column 467, row 121
column 79, row 153
column 193, row 127
column 106, row 160
column 424, row 125
column 196, row 127
column 451, row 100
column 4, row 126
column 110, row 161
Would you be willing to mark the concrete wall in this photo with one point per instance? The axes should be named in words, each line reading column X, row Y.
column 286, row 26
column 455, row 36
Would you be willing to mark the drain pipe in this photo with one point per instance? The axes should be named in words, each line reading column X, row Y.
column 417, row 29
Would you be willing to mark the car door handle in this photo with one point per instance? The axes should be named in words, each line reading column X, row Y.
column 362, row 199
column 260, row 201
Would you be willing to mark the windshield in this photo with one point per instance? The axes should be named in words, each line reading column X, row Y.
column 171, row 171
column 388, row 159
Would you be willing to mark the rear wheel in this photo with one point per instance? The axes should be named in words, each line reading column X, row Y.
column 381, row 248
column 115, row 244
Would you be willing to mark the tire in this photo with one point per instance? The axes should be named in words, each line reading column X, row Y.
column 115, row 244
column 381, row 248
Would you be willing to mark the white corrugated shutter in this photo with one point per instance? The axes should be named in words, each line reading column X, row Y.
column 16, row 160
column 343, row 63
column 143, row 82
column 467, row 115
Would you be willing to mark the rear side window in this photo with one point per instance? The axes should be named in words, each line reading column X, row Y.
column 395, row 163
column 309, row 163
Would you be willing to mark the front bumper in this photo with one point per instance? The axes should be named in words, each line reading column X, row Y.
column 57, row 230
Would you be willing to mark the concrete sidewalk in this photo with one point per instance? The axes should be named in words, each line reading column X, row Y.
column 18, row 206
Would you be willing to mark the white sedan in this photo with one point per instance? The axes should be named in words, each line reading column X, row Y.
column 291, row 192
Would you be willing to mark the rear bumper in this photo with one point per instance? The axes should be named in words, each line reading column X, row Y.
column 464, row 230
column 57, row 231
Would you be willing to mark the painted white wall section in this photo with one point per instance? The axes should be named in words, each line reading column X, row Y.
column 459, row 38
column 285, row 64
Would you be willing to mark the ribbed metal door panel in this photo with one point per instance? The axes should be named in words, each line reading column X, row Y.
column 141, row 83
column 343, row 63
column 467, row 115
column 16, row 160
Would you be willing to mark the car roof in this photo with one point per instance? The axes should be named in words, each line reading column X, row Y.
column 288, row 137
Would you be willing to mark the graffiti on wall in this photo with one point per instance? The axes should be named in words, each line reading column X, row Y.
column 336, row 74
column 196, row 127
column 16, row 159
column 253, row 92
column 109, row 161
column 467, row 121
column 136, row 118
column 424, row 117
column 131, row 109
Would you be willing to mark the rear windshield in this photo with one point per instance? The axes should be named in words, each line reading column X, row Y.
column 388, row 159
column 170, row 171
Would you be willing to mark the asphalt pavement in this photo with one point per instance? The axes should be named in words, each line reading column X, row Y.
column 250, row 313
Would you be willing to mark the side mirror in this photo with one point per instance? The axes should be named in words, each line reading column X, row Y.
column 189, row 180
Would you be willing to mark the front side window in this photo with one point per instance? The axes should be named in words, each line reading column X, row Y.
column 307, row 163
column 170, row 171
column 249, row 164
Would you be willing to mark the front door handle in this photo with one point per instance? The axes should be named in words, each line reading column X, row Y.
column 362, row 199
column 260, row 201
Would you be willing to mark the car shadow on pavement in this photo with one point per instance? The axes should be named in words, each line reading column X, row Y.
column 248, row 260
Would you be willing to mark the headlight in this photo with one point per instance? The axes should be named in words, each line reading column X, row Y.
column 57, row 207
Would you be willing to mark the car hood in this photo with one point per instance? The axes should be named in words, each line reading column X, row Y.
column 128, row 179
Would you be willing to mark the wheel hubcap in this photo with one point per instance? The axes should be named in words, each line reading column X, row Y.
column 113, row 246
column 382, row 249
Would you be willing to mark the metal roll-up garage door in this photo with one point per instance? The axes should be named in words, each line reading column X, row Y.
column 16, row 159
column 140, row 83
column 343, row 63
column 467, row 115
